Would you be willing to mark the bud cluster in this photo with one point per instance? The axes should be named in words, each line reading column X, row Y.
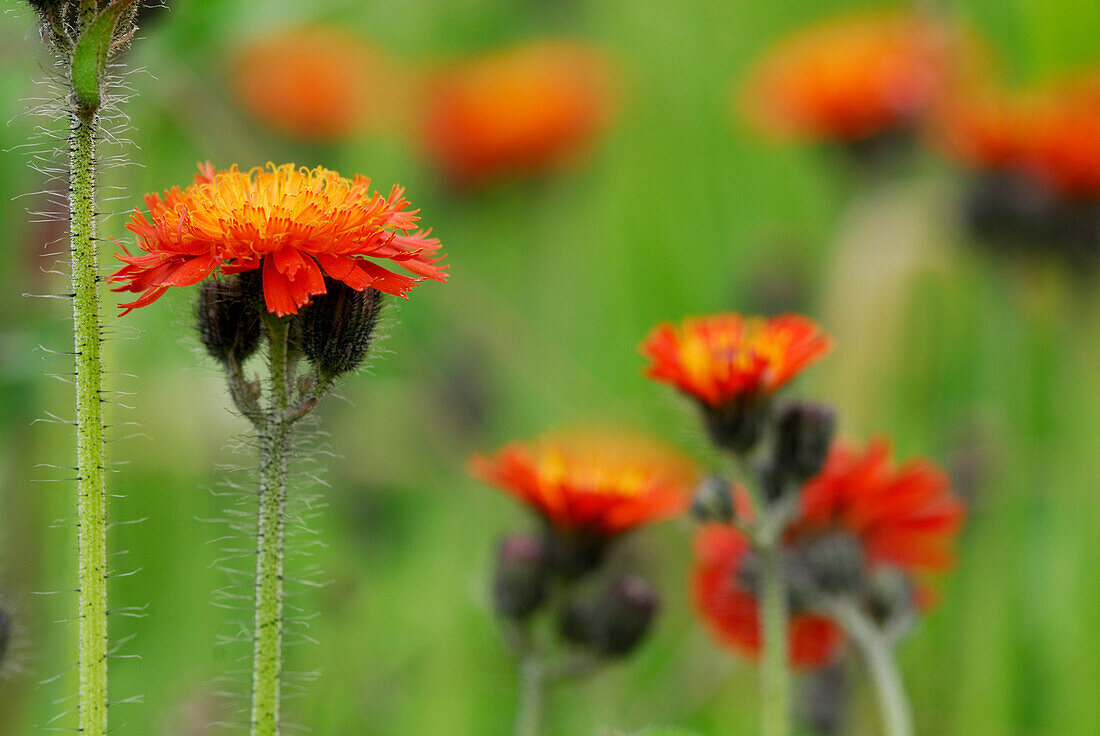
column 333, row 333
column 603, row 612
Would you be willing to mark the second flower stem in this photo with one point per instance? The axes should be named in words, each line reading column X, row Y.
column 268, row 633
column 532, row 692
column 775, row 674
column 877, row 653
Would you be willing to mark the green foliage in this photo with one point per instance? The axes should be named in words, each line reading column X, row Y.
column 553, row 284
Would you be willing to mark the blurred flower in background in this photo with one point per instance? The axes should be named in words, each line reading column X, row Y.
column 850, row 77
column 865, row 80
column 516, row 112
column 865, row 531
column 592, row 483
column 733, row 365
column 1034, row 156
column 588, row 488
column 316, row 83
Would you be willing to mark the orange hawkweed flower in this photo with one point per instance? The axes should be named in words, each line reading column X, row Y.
column 516, row 112
column 591, row 483
column 295, row 225
column 904, row 519
column 851, row 77
column 314, row 83
column 1050, row 134
column 725, row 357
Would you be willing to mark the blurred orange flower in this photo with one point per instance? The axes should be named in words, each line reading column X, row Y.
column 314, row 83
column 516, row 112
column 729, row 607
column 725, row 357
column 296, row 225
column 850, row 77
column 594, row 483
column 903, row 518
column 1050, row 133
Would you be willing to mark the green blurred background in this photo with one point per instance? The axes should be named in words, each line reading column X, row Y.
column 987, row 366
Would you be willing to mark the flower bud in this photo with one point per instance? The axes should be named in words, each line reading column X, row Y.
column 804, row 432
column 890, row 597
column 228, row 323
column 738, row 424
column 520, row 581
column 713, row 501
column 832, row 564
column 337, row 327
column 612, row 620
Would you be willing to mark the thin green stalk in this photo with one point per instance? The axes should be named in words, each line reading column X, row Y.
column 91, row 481
column 775, row 674
column 532, row 693
column 274, row 446
column 877, row 653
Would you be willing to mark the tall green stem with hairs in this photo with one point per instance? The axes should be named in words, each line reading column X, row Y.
column 91, row 480
column 274, row 436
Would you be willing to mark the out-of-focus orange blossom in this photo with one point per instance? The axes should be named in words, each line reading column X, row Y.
column 516, row 112
column 315, row 83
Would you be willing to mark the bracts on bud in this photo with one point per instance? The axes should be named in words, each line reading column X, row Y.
column 228, row 321
column 521, row 579
column 611, row 620
column 337, row 327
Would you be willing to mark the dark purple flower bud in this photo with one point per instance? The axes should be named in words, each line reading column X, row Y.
column 804, row 432
column 612, row 619
column 521, row 580
column 228, row 322
column 337, row 327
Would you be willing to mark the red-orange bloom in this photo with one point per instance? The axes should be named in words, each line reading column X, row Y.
column 600, row 484
column 296, row 225
column 1052, row 134
column 516, row 112
column 730, row 610
column 314, row 83
column 850, row 77
column 724, row 357
column 906, row 518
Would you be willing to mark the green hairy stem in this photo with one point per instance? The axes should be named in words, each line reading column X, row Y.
column 91, row 480
column 274, row 437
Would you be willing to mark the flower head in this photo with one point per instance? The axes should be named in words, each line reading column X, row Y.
column 591, row 483
column 850, row 77
column 517, row 111
column 722, row 358
column 295, row 225
column 1051, row 134
column 880, row 517
column 314, row 83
